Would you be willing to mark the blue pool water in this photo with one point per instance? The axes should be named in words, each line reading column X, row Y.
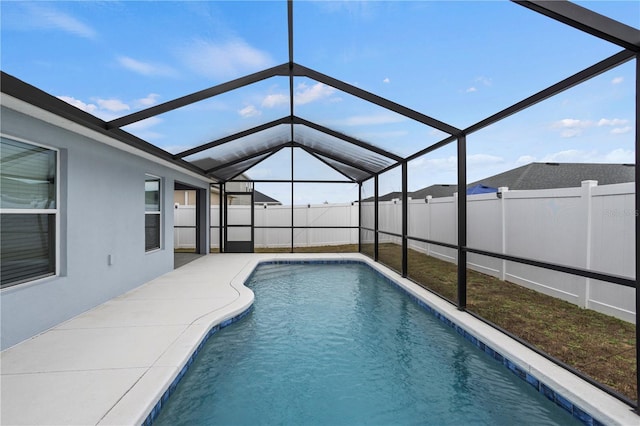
column 336, row 344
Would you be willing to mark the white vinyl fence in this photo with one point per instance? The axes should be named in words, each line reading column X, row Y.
column 591, row 227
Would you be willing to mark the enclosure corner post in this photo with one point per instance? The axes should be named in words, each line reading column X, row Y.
column 359, row 217
column 375, row 218
column 223, row 215
column 405, row 220
column 462, row 222
column 637, row 205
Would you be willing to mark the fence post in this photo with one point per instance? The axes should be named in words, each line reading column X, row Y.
column 503, row 229
column 428, row 201
column 586, row 196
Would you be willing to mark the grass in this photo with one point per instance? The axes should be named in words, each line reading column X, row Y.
column 598, row 345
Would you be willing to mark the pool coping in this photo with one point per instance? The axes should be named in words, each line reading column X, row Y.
column 582, row 400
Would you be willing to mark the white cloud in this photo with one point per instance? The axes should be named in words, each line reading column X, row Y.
column 46, row 17
column 471, row 90
column 485, row 81
column 144, row 124
column 249, row 111
column 274, row 100
column 621, row 156
column 394, row 134
column 612, row 122
column 386, row 80
column 483, row 159
column 572, row 123
column 142, row 129
column 224, row 60
column 372, row 120
column 90, row 108
column 618, row 155
column 434, row 165
column 621, row 130
column 150, row 100
column 571, row 127
column 146, row 68
column 568, row 156
column 306, row 94
column 525, row 159
column 617, row 80
column 112, row 105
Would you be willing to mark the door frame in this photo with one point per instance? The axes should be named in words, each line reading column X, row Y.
column 238, row 246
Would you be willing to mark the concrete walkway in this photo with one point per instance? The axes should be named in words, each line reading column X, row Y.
column 110, row 365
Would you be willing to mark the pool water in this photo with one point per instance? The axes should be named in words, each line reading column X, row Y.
column 336, row 344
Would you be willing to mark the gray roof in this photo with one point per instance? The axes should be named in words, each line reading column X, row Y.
column 260, row 198
column 535, row 176
column 560, row 175
column 436, row 191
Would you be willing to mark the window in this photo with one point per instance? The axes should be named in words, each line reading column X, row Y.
column 28, row 212
column 152, row 207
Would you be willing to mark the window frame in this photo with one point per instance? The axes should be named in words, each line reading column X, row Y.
column 55, row 211
column 147, row 178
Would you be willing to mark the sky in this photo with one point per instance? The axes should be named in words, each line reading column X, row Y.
column 456, row 61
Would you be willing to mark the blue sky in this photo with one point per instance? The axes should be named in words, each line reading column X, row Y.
column 455, row 61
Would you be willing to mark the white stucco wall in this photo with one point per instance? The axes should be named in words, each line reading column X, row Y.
column 101, row 214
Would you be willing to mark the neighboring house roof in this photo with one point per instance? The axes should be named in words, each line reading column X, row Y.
column 260, row 198
column 436, row 191
column 535, row 176
column 388, row 197
column 560, row 175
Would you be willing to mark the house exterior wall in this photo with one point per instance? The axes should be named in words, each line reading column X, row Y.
column 102, row 217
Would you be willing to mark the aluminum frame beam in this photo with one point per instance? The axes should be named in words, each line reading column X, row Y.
column 302, row 71
column 277, row 71
column 272, row 150
column 588, row 21
column 317, row 157
column 231, row 138
column 334, row 158
column 346, row 138
column 25, row 92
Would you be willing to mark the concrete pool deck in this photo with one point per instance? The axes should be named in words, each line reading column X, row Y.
column 110, row 365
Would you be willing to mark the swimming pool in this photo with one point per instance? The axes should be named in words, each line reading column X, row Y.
column 336, row 344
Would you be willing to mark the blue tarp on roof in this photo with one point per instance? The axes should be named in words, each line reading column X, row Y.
column 480, row 189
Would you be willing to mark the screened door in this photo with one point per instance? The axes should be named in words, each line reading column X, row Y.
column 238, row 235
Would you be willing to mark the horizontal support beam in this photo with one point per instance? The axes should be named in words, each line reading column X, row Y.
column 616, row 279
